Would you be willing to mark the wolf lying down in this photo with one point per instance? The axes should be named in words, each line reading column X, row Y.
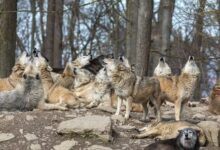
column 27, row 95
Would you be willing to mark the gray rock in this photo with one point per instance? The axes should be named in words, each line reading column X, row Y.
column 98, row 147
column 212, row 131
column 29, row 118
column 6, row 136
column 30, row 137
column 35, row 147
column 126, row 127
column 66, row 145
column 100, row 126
column 9, row 117
column 118, row 119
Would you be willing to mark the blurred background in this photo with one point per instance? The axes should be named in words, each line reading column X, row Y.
column 143, row 30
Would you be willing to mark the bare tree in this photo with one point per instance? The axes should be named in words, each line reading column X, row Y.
column 145, row 13
column 131, row 29
column 33, row 27
column 8, row 18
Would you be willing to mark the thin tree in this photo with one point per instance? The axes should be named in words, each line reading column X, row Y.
column 8, row 21
column 145, row 13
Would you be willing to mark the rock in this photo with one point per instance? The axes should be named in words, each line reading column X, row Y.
column 126, row 127
column 98, row 147
column 199, row 117
column 118, row 119
column 9, row 117
column 30, row 137
column 49, row 128
column 6, row 136
column 29, row 118
column 106, row 109
column 35, row 147
column 21, row 131
column 212, row 132
column 66, row 145
column 100, row 126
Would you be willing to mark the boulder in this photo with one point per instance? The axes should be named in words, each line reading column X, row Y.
column 6, row 136
column 94, row 125
column 98, row 147
column 66, row 145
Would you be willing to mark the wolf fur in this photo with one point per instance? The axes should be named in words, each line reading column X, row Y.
column 93, row 92
column 162, row 69
column 27, row 95
column 129, row 87
column 179, row 89
column 187, row 139
column 214, row 100
column 168, row 130
column 9, row 83
column 56, row 94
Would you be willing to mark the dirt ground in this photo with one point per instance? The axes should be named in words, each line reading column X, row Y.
column 37, row 129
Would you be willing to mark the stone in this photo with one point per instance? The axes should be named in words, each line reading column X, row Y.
column 30, row 137
column 94, row 125
column 9, row 117
column 118, row 119
column 127, row 127
column 98, row 147
column 35, row 147
column 199, row 117
column 29, row 118
column 6, row 136
column 66, row 145
column 212, row 132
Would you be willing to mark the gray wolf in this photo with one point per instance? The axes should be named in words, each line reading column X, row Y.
column 168, row 130
column 9, row 83
column 93, row 92
column 214, row 100
column 55, row 93
column 187, row 139
column 129, row 87
column 27, row 95
column 179, row 89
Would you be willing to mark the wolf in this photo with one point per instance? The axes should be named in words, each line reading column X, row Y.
column 97, row 63
column 93, row 92
column 55, row 93
column 187, row 139
column 214, row 100
column 129, row 87
column 162, row 69
column 9, row 83
column 168, row 130
column 179, row 89
column 28, row 94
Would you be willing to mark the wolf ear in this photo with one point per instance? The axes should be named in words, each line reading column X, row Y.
column 198, row 132
column 180, row 131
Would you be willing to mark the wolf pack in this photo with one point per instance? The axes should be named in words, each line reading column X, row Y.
column 108, row 81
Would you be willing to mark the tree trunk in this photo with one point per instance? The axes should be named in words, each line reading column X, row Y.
column 33, row 27
column 197, row 42
column 8, row 21
column 131, row 32
column 48, row 52
column 58, row 36
column 41, row 7
column 74, row 17
column 145, row 13
column 163, row 29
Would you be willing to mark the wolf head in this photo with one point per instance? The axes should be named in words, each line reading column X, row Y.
column 40, row 61
column 162, row 68
column 191, row 67
column 188, row 138
column 31, row 72
column 23, row 59
column 82, row 76
column 81, row 61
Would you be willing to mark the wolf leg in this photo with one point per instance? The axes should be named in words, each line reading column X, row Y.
column 118, row 106
column 156, row 107
column 145, row 112
column 178, row 109
column 46, row 106
column 149, row 133
column 128, row 107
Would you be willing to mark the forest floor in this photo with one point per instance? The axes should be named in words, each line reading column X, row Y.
column 37, row 130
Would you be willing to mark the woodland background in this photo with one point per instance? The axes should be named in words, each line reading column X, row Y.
column 143, row 30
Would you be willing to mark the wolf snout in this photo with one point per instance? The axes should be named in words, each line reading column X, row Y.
column 191, row 58
column 162, row 59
